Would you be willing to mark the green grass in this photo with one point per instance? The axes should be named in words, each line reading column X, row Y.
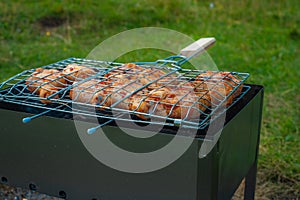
column 261, row 37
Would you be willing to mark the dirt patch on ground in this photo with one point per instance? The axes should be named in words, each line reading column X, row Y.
column 52, row 21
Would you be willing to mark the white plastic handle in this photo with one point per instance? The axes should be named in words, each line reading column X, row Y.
column 197, row 47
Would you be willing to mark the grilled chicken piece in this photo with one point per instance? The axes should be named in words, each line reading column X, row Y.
column 219, row 85
column 46, row 91
column 121, row 88
column 182, row 103
column 146, row 101
column 95, row 92
column 140, row 74
column 150, row 75
column 176, row 103
column 129, row 68
column 74, row 72
column 45, row 82
column 85, row 92
column 41, row 76
column 109, row 96
column 138, row 103
column 101, row 93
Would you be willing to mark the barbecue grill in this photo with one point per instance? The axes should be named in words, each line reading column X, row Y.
column 40, row 148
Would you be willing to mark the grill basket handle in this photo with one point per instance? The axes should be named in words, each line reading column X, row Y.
column 197, row 47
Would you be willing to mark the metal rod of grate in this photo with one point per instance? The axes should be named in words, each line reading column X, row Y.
column 168, row 95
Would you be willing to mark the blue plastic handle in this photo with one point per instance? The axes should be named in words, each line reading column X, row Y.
column 26, row 120
column 91, row 131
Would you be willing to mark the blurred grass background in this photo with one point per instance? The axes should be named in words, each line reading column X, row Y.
column 261, row 37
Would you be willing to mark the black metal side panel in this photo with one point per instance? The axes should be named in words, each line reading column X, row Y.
column 48, row 153
column 238, row 147
column 208, row 176
column 222, row 170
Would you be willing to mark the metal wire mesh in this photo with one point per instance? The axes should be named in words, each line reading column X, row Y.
column 155, row 94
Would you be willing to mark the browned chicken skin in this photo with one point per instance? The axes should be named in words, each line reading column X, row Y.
column 219, row 86
column 140, row 89
column 74, row 72
column 45, row 82
column 85, row 92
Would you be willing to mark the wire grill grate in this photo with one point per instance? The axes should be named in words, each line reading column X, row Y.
column 113, row 91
